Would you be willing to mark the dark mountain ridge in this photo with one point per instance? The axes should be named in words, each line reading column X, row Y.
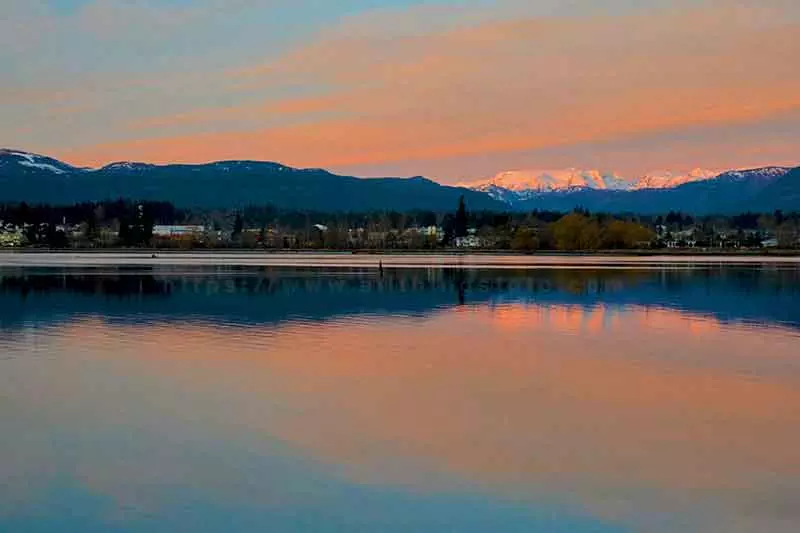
column 761, row 189
column 38, row 179
column 225, row 184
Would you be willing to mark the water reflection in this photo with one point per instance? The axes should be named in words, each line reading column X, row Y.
column 762, row 295
column 339, row 401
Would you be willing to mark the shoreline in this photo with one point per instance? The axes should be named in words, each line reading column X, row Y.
column 638, row 252
column 300, row 259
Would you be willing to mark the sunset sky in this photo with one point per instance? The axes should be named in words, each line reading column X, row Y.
column 449, row 89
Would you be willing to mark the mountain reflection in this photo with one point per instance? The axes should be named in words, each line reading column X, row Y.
column 764, row 295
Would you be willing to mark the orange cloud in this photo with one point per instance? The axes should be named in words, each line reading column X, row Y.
column 492, row 88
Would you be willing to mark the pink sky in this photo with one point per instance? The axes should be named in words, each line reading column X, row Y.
column 452, row 94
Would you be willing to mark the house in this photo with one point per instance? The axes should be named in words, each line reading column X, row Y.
column 470, row 241
column 72, row 230
column 691, row 243
column 175, row 232
column 431, row 231
column 435, row 233
column 681, row 239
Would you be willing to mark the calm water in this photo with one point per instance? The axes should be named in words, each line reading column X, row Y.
column 423, row 400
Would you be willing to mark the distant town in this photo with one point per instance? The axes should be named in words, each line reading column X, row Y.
column 161, row 225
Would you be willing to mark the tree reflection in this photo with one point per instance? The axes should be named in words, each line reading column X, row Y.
column 268, row 294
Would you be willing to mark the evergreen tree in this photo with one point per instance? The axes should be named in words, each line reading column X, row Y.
column 125, row 233
column 32, row 234
column 238, row 225
column 460, row 228
column 147, row 230
column 91, row 228
column 262, row 236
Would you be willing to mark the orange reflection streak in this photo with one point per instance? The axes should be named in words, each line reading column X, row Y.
column 576, row 318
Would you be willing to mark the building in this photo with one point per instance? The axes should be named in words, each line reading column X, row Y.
column 470, row 241
column 177, row 232
column 431, row 231
column 690, row 243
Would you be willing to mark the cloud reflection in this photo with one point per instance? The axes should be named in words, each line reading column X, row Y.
column 626, row 411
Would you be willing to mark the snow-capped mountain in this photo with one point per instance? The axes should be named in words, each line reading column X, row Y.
column 35, row 178
column 127, row 166
column 696, row 192
column 538, row 181
column 763, row 174
column 668, row 179
column 33, row 162
column 524, row 184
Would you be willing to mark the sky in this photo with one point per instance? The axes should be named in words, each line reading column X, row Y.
column 453, row 90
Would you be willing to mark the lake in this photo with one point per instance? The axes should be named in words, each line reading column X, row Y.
column 340, row 398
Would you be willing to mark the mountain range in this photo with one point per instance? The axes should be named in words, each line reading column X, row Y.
column 36, row 178
column 524, row 183
column 700, row 191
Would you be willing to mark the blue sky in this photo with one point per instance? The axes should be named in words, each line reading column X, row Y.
column 449, row 89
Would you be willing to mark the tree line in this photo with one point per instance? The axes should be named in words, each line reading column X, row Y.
column 129, row 223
